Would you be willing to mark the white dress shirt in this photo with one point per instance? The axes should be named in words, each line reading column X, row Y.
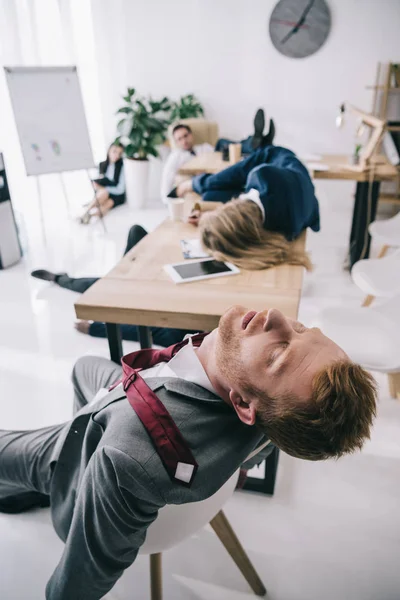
column 175, row 160
column 184, row 365
column 120, row 187
column 254, row 196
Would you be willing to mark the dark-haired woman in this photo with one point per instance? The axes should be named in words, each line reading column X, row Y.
column 110, row 187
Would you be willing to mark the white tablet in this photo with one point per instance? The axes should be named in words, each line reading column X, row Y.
column 200, row 269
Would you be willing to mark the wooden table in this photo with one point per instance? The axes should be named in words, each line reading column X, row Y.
column 363, row 214
column 366, row 197
column 208, row 162
column 138, row 291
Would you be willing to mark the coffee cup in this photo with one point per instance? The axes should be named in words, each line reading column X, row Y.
column 176, row 209
column 235, row 153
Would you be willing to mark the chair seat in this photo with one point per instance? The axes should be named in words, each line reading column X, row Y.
column 371, row 337
column 176, row 522
column 379, row 277
column 386, row 231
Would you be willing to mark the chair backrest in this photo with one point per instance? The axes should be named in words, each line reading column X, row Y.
column 176, row 522
column 203, row 131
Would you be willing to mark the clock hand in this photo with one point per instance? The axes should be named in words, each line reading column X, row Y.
column 299, row 23
column 290, row 23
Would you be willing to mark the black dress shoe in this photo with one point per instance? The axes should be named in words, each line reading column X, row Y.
column 268, row 139
column 46, row 275
column 173, row 193
column 19, row 503
column 259, row 124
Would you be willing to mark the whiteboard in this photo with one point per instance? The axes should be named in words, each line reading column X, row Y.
column 50, row 119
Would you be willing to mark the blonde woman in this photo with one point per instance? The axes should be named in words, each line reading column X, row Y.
column 275, row 202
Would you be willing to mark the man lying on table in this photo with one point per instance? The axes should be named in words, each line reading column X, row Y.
column 176, row 432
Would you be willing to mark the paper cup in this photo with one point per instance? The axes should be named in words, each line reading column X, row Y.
column 235, row 153
column 176, row 209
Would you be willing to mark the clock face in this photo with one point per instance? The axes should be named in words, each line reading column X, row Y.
column 298, row 28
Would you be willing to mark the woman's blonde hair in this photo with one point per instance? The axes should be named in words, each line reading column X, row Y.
column 234, row 232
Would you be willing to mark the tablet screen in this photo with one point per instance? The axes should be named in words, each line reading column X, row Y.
column 198, row 269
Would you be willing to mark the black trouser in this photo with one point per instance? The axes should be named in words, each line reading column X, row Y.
column 81, row 284
column 162, row 336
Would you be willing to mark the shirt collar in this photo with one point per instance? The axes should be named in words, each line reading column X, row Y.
column 254, row 196
column 186, row 365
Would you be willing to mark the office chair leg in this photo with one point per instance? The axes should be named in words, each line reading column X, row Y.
column 394, row 385
column 369, row 299
column 156, row 576
column 224, row 531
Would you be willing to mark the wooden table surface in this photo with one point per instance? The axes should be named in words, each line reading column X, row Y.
column 338, row 170
column 213, row 163
column 138, row 291
column 209, row 162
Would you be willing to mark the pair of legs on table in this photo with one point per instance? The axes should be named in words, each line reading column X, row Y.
column 253, row 142
column 234, row 180
column 27, row 458
column 162, row 336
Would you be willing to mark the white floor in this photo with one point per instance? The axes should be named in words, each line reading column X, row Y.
column 332, row 530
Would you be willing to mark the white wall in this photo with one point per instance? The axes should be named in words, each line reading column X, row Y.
column 221, row 51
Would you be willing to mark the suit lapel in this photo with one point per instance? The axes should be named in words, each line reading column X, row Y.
column 182, row 387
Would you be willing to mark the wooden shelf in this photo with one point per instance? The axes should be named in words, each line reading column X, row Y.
column 393, row 127
column 394, row 198
column 382, row 87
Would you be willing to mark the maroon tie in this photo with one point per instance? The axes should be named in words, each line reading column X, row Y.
column 171, row 446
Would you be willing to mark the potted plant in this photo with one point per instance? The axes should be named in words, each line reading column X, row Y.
column 187, row 107
column 356, row 156
column 142, row 128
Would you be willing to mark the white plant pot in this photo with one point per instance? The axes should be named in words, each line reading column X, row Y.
column 136, row 178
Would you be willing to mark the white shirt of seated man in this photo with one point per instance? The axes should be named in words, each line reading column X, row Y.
column 183, row 138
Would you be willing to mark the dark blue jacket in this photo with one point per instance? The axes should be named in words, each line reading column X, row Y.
column 283, row 182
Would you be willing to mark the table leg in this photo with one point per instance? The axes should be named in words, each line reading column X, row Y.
column 266, row 485
column 145, row 339
column 114, row 341
column 363, row 215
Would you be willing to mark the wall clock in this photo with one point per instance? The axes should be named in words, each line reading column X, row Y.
column 298, row 28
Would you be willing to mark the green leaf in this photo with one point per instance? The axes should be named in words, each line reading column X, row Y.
column 125, row 109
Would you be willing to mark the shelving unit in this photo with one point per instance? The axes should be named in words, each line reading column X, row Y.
column 387, row 83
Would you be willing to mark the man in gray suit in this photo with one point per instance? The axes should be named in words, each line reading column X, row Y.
column 258, row 376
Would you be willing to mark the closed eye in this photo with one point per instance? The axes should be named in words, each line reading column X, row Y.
column 277, row 352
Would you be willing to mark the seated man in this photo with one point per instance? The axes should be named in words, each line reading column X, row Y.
column 183, row 138
column 258, row 376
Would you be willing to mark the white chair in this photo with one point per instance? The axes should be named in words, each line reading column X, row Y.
column 178, row 522
column 204, row 131
column 387, row 233
column 371, row 337
column 378, row 277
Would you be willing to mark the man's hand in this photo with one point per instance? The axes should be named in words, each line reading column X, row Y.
column 195, row 215
column 183, row 188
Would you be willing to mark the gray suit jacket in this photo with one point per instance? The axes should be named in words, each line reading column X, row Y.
column 109, row 482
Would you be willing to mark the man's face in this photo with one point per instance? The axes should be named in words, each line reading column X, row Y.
column 183, row 138
column 271, row 353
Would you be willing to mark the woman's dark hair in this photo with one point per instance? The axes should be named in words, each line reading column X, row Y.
column 117, row 144
column 181, row 126
column 107, row 161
